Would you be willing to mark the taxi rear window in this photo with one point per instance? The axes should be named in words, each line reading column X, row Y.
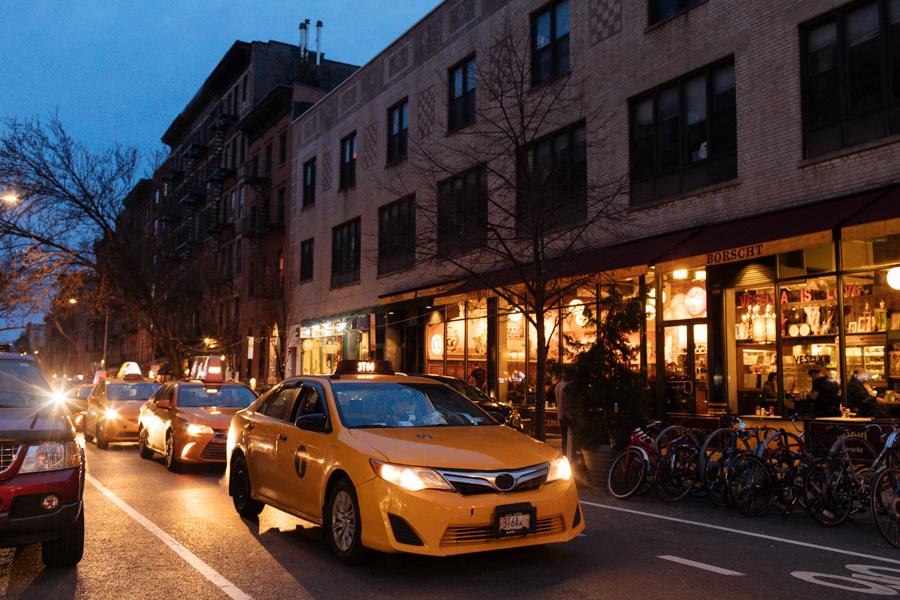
column 381, row 404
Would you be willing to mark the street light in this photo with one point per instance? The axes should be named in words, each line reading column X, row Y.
column 10, row 198
column 73, row 301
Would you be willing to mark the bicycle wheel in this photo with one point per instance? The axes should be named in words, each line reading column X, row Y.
column 886, row 505
column 787, row 470
column 750, row 486
column 715, row 454
column 676, row 474
column 827, row 493
column 860, row 456
column 627, row 473
column 673, row 437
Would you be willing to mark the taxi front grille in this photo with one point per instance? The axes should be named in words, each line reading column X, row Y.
column 215, row 450
column 471, row 483
column 8, row 453
column 465, row 536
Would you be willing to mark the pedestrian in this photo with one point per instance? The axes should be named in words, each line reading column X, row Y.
column 478, row 378
column 860, row 397
column 770, row 391
column 563, row 410
column 824, row 394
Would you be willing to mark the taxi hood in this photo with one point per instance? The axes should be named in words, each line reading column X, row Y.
column 217, row 417
column 476, row 448
column 34, row 424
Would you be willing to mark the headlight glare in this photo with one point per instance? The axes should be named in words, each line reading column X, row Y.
column 560, row 469
column 111, row 414
column 194, row 429
column 413, row 479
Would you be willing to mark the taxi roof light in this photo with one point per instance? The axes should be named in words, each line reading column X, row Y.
column 364, row 367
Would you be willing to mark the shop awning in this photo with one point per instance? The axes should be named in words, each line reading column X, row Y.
column 879, row 218
column 764, row 235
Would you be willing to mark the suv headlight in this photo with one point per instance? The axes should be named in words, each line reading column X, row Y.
column 413, row 479
column 560, row 469
column 193, row 429
column 51, row 456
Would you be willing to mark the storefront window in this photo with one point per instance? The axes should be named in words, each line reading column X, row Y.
column 881, row 250
column 551, row 333
column 809, row 324
column 321, row 349
column 806, row 262
column 476, row 342
column 578, row 310
column 513, row 374
column 684, row 295
column 871, row 311
column 752, row 323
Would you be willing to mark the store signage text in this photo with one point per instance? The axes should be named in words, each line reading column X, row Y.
column 715, row 258
column 808, row 295
column 761, row 299
column 810, row 359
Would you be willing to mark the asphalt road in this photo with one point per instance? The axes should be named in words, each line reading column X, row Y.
column 152, row 534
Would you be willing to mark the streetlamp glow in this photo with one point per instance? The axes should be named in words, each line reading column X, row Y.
column 73, row 301
column 10, row 198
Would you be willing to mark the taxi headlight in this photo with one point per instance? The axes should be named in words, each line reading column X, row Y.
column 111, row 414
column 413, row 479
column 51, row 456
column 559, row 469
column 193, row 429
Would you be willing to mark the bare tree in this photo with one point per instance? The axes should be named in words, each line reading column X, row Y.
column 512, row 199
column 71, row 201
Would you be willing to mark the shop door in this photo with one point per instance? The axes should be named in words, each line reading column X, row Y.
column 685, row 371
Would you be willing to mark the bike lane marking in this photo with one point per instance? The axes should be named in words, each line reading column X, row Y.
column 699, row 565
column 746, row 533
column 204, row 569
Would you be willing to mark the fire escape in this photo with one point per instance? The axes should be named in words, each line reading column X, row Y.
column 216, row 174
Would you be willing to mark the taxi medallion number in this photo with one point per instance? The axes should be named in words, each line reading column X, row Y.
column 515, row 523
column 515, row 519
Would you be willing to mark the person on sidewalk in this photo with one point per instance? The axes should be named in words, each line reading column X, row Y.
column 562, row 407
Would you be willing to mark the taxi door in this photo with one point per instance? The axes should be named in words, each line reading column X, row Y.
column 156, row 419
column 263, row 431
column 301, row 454
column 96, row 409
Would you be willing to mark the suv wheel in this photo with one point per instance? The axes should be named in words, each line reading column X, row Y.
column 67, row 550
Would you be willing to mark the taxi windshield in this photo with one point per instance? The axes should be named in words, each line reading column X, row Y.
column 229, row 396
column 382, row 404
column 22, row 384
column 130, row 391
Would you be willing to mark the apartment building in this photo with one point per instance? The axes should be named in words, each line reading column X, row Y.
column 752, row 150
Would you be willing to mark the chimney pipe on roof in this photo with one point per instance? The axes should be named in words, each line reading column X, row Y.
column 318, row 40
column 304, row 40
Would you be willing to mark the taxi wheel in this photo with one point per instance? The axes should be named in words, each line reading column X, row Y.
column 143, row 449
column 102, row 444
column 240, row 490
column 343, row 525
column 87, row 436
column 172, row 463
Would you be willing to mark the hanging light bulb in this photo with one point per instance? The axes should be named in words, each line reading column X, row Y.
column 893, row 278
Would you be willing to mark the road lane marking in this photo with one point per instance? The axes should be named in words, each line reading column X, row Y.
column 204, row 569
column 699, row 565
column 747, row 533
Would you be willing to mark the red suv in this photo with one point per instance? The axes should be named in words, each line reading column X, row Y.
column 41, row 466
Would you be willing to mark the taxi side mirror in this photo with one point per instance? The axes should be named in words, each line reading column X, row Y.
column 316, row 422
column 164, row 404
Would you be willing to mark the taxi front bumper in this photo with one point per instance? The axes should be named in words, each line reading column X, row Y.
column 445, row 523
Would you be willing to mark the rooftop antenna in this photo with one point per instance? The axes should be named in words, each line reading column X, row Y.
column 318, row 40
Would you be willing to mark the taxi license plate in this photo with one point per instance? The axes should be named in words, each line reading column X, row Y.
column 515, row 519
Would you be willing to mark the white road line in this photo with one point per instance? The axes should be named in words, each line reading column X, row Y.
column 204, row 569
column 705, row 567
column 747, row 533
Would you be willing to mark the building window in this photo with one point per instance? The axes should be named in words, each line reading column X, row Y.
column 238, row 257
column 462, row 95
column 267, row 165
column 282, row 149
column 348, row 161
column 684, row 135
column 462, row 211
column 345, row 253
column 550, row 42
column 281, row 206
column 663, row 9
column 851, row 77
column 553, row 181
column 397, row 236
column 280, row 262
column 309, row 183
column 398, row 124
column 306, row 260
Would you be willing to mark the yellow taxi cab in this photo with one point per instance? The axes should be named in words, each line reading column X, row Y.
column 187, row 421
column 397, row 464
column 114, row 405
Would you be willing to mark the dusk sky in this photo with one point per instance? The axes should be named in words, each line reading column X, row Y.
column 122, row 71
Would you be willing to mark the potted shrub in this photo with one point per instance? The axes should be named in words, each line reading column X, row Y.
column 607, row 398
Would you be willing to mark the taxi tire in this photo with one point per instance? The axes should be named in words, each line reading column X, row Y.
column 67, row 550
column 102, row 444
column 344, row 501
column 172, row 463
column 143, row 449
column 239, row 486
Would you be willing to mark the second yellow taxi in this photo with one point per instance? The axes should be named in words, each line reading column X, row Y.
column 397, row 464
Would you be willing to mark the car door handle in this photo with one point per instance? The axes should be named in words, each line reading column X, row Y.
column 248, row 425
column 282, row 437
